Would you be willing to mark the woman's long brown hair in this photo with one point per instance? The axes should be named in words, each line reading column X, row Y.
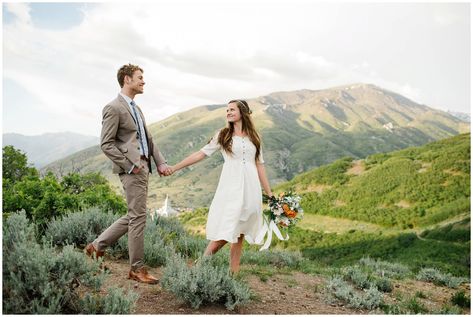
column 226, row 134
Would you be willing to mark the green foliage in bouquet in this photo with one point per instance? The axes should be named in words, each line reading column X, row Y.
column 284, row 210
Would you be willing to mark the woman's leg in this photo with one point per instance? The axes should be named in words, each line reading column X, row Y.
column 235, row 254
column 214, row 246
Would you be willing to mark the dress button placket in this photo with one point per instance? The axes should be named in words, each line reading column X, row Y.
column 243, row 140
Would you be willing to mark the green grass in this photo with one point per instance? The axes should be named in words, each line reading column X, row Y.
column 332, row 249
column 329, row 224
column 412, row 188
column 453, row 232
column 331, row 242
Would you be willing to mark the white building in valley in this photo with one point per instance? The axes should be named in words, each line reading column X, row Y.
column 166, row 210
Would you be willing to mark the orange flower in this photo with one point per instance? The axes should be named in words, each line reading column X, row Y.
column 291, row 214
column 288, row 212
column 281, row 195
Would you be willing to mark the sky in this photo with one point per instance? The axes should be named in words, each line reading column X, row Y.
column 60, row 59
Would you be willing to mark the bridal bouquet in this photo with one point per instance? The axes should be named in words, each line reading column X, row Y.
column 286, row 210
column 282, row 213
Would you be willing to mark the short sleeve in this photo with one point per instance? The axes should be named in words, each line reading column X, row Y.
column 260, row 158
column 212, row 146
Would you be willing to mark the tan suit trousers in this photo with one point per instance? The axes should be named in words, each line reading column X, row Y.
column 136, row 191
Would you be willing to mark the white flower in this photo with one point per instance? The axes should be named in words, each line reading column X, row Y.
column 285, row 221
column 278, row 211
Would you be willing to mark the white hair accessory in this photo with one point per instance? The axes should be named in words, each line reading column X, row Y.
column 245, row 106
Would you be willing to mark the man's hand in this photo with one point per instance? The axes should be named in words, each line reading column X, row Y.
column 137, row 170
column 164, row 170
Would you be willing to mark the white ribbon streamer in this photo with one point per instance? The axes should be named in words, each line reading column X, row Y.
column 269, row 230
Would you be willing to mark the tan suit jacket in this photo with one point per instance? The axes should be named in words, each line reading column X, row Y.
column 119, row 138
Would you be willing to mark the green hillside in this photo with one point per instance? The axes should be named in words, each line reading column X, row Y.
column 410, row 206
column 300, row 129
column 415, row 187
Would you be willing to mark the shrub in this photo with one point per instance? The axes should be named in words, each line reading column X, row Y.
column 460, row 299
column 448, row 310
column 341, row 289
column 370, row 299
column 276, row 258
column 79, row 228
column 48, row 197
column 190, row 246
column 416, row 307
column 15, row 165
column 36, row 279
column 162, row 236
column 420, row 294
column 358, row 277
column 383, row 284
column 120, row 248
column 167, row 226
column 435, row 276
column 16, row 230
column 203, row 283
column 386, row 269
column 115, row 302
column 39, row 280
column 156, row 251
column 393, row 309
column 83, row 227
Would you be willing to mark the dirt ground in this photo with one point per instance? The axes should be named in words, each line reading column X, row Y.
column 297, row 293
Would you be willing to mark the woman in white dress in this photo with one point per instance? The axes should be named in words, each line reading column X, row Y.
column 236, row 210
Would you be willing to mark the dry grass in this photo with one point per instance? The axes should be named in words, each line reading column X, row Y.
column 357, row 169
column 403, row 204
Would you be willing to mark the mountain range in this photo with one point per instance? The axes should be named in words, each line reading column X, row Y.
column 461, row 115
column 49, row 147
column 300, row 129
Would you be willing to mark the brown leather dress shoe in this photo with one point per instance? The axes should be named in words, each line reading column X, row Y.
column 141, row 275
column 90, row 250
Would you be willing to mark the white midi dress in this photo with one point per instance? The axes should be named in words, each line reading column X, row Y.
column 237, row 205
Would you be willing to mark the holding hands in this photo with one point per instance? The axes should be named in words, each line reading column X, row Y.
column 165, row 170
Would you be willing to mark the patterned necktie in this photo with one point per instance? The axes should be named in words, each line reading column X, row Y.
column 141, row 130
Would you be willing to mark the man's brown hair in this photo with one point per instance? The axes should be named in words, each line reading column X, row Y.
column 127, row 70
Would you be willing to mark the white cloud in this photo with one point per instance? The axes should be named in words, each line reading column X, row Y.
column 21, row 11
column 210, row 53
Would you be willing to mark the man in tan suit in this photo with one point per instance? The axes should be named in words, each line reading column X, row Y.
column 126, row 141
